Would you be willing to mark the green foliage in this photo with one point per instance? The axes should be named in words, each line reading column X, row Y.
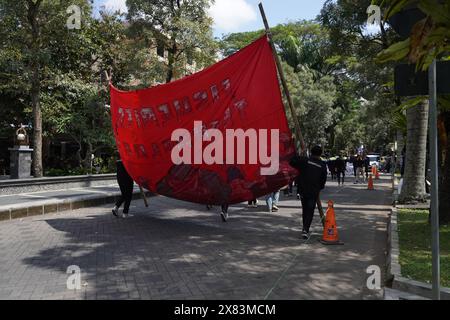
column 415, row 246
column 429, row 38
column 74, row 107
column 183, row 28
column 72, row 62
column 313, row 101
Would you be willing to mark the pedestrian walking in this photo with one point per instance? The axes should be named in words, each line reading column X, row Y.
column 359, row 162
column 331, row 163
column 341, row 167
column 272, row 201
column 253, row 203
column 126, row 189
column 353, row 161
column 312, row 179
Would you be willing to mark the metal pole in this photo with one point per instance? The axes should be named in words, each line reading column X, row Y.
column 434, row 183
column 298, row 132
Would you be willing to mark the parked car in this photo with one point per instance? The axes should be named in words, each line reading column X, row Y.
column 374, row 159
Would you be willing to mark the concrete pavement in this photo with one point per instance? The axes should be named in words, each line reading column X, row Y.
column 178, row 250
column 14, row 206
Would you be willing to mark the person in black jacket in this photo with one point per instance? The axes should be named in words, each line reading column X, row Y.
column 341, row 167
column 312, row 179
column 126, row 189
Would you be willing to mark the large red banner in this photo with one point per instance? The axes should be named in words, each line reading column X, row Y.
column 219, row 136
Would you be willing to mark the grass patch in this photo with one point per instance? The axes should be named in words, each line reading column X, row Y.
column 415, row 246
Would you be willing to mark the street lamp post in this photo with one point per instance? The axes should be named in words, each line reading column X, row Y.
column 433, row 141
column 402, row 23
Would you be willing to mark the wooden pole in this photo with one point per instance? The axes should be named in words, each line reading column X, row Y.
column 143, row 196
column 298, row 132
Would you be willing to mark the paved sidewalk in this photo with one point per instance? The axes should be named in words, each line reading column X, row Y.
column 44, row 202
column 178, row 250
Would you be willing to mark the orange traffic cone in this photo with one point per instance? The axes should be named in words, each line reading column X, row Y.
column 377, row 174
column 330, row 232
column 370, row 185
column 374, row 170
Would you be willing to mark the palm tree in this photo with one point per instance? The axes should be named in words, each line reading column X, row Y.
column 444, row 183
column 416, row 150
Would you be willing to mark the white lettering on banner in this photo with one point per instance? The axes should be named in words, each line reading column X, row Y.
column 161, row 114
column 240, row 145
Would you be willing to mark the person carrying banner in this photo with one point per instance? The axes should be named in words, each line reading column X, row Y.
column 126, row 189
column 312, row 179
column 253, row 203
column 272, row 201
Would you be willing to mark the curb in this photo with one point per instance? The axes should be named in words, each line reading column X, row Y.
column 399, row 282
column 43, row 207
column 15, row 186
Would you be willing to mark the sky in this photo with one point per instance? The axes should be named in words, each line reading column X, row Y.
column 243, row 15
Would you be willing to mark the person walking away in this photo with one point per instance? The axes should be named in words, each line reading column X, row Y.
column 312, row 179
column 359, row 169
column 331, row 163
column 253, row 203
column 341, row 167
column 353, row 160
column 126, row 189
column 272, row 201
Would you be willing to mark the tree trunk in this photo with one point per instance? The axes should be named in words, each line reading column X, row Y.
column 171, row 59
column 444, row 179
column 32, row 15
column 169, row 74
column 413, row 189
column 87, row 162
column 400, row 145
column 37, row 126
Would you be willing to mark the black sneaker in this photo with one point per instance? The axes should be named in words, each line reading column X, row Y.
column 305, row 235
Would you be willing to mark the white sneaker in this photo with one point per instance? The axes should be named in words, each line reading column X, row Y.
column 125, row 215
column 224, row 216
column 306, row 235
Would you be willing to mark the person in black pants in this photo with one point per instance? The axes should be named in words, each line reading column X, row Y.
column 253, row 203
column 312, row 179
column 341, row 166
column 126, row 189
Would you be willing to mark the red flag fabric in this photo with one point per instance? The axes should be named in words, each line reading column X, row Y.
column 219, row 136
